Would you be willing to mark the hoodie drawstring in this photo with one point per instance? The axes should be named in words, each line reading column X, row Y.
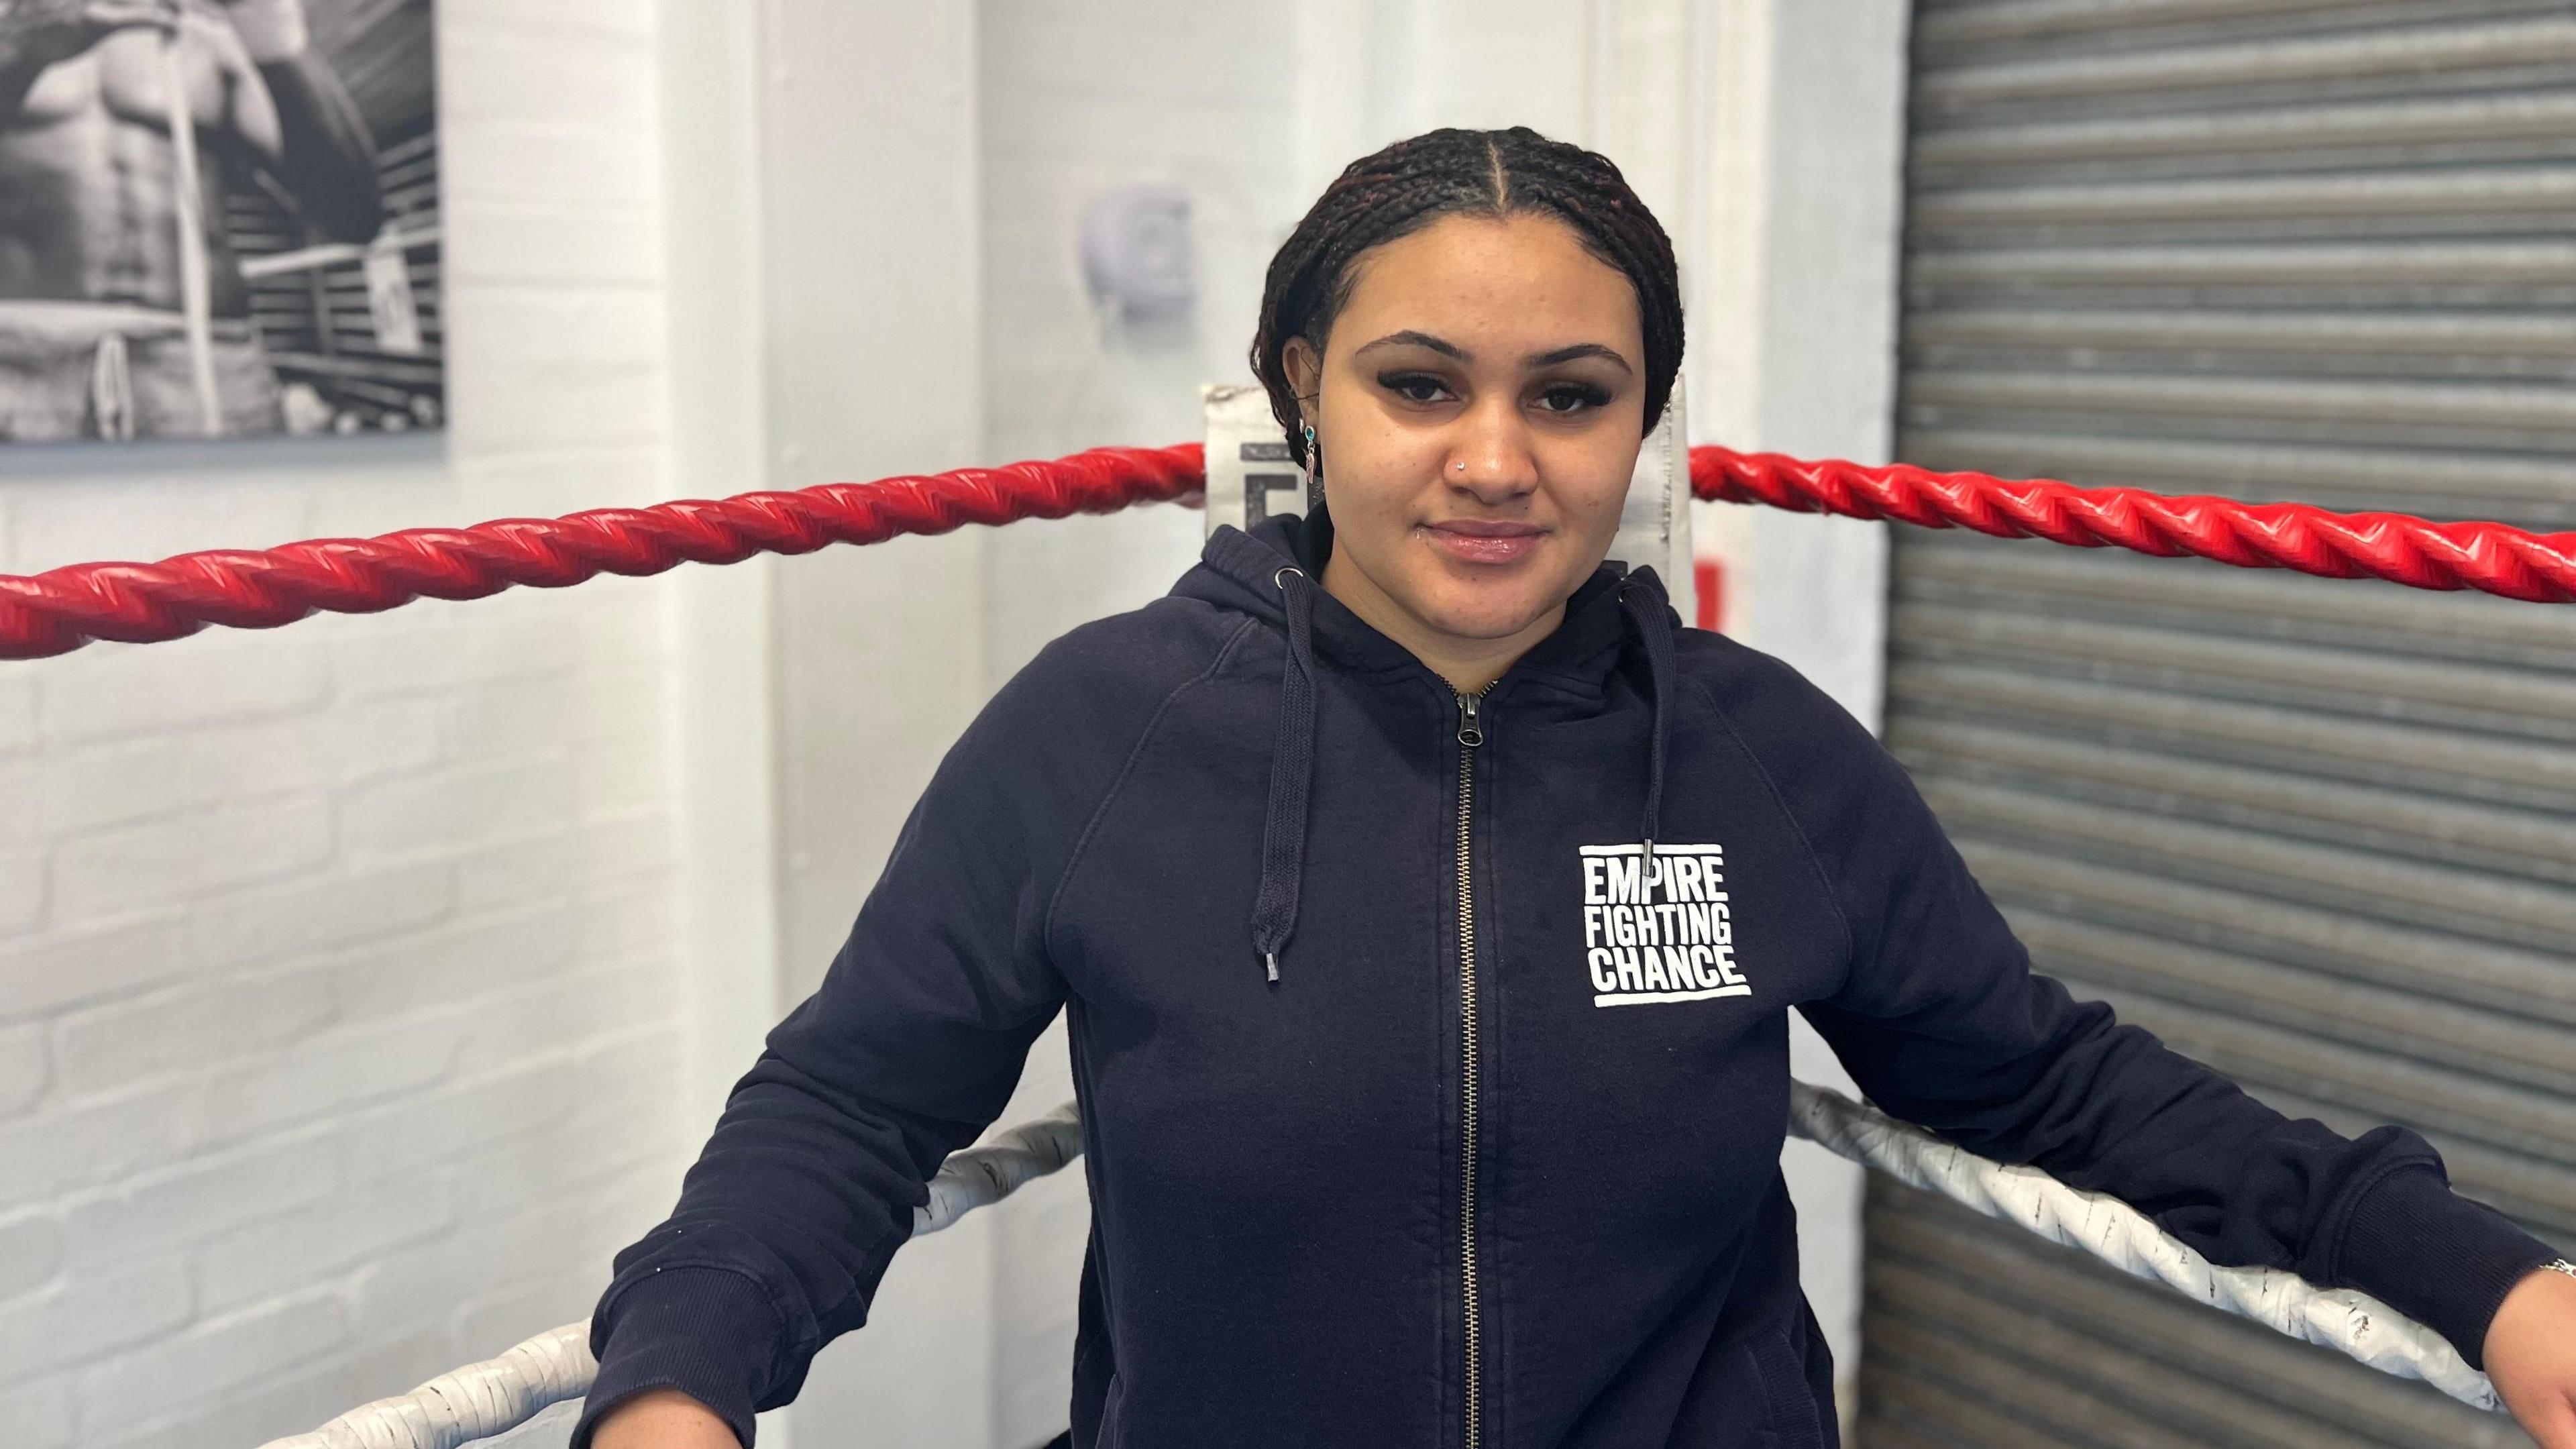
column 1647, row 610
column 1292, row 761
column 1292, row 769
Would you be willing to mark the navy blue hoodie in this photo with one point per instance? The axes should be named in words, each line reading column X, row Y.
column 1433, row 1051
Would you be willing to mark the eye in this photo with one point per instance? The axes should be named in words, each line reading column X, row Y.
column 1568, row 398
column 1414, row 387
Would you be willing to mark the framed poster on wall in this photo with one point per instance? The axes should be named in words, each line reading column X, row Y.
column 218, row 218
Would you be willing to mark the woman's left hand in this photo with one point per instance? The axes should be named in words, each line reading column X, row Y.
column 2531, row 1356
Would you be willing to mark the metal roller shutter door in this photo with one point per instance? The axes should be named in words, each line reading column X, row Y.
column 2319, row 834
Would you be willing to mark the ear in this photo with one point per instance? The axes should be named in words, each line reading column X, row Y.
column 1305, row 371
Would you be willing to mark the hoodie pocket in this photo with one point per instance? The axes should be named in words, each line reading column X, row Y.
column 1794, row 1420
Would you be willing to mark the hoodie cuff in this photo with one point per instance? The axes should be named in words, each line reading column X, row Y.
column 2439, row 1258
column 708, row 1332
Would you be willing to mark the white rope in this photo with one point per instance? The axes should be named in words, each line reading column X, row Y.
column 493, row 1397
column 475, row 1402
column 499, row 1395
column 2118, row 1234
column 981, row 1176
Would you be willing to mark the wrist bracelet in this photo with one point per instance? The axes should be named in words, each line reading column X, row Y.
column 2561, row 1266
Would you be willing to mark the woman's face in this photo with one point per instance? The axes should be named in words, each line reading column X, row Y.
column 1479, row 405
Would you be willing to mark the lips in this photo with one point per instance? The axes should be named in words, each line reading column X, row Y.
column 1487, row 528
column 1484, row 541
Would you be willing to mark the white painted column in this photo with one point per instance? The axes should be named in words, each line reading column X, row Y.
column 1793, row 297
column 1793, row 333
column 1370, row 73
column 869, row 350
column 721, row 617
column 722, row 683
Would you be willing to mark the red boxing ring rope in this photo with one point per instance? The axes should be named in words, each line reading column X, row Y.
column 61, row 609
column 2493, row 558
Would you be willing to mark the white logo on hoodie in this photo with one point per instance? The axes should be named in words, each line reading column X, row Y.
column 1660, row 930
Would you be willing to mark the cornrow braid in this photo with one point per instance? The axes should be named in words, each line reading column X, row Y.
column 1413, row 182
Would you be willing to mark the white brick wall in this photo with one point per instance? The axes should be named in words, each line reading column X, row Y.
column 337, row 1021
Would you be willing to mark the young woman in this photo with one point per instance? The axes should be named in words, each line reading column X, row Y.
column 1433, row 1061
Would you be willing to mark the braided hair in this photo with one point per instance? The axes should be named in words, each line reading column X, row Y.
column 1414, row 182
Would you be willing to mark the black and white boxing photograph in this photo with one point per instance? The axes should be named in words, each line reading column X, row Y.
column 218, row 218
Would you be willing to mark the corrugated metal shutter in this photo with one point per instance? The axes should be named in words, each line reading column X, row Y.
column 2319, row 834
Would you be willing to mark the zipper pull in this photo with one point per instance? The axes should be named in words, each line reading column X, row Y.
column 1470, row 731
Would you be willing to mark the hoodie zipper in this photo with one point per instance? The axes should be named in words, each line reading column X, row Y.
column 1471, row 733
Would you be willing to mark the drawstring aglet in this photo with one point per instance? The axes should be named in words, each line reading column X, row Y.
column 1271, row 958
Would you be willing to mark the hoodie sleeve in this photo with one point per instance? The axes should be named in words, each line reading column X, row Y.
column 906, row 1052
column 1942, row 1021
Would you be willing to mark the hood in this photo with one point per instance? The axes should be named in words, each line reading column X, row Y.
column 1273, row 571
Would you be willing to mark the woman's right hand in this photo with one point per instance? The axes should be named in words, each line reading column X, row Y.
column 662, row 1419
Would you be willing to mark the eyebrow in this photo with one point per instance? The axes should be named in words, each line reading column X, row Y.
column 1580, row 349
column 1410, row 338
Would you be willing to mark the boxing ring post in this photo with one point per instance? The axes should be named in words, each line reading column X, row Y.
column 66, row 608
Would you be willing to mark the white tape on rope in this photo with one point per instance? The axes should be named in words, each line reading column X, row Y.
column 490, row 1398
column 2118, row 1234
column 983, row 1175
column 475, row 1402
column 482, row 1400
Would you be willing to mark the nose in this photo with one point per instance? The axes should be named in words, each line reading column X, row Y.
column 1490, row 455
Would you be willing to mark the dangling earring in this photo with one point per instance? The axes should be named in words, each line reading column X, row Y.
column 1314, row 472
